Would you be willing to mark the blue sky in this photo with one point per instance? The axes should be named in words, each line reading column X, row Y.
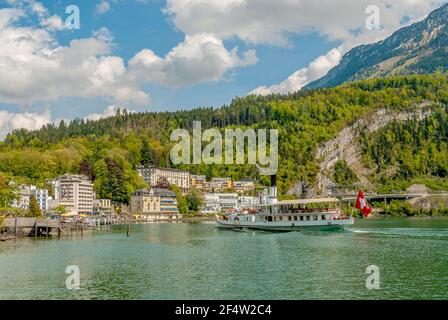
column 176, row 54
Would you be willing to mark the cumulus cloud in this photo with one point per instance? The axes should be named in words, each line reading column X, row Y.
column 272, row 22
column 10, row 121
column 315, row 70
column 199, row 58
column 266, row 21
column 34, row 67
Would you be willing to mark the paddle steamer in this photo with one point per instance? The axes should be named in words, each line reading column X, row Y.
column 315, row 214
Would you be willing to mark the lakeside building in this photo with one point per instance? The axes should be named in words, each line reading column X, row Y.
column 218, row 202
column 208, row 187
column 153, row 175
column 221, row 184
column 221, row 202
column 247, row 202
column 244, row 186
column 75, row 192
column 211, row 203
column 42, row 198
column 103, row 206
column 23, row 200
column 198, row 181
column 24, row 196
column 154, row 203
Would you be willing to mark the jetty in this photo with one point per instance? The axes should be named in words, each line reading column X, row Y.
column 35, row 227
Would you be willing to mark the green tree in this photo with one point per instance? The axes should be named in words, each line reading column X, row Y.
column 195, row 201
column 146, row 154
column 61, row 210
column 8, row 192
column 181, row 199
column 34, row 210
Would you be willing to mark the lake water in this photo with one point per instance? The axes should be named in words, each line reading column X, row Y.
column 198, row 261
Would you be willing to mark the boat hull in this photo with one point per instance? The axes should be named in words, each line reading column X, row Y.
column 336, row 225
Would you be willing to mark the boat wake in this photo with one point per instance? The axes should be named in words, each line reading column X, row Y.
column 431, row 233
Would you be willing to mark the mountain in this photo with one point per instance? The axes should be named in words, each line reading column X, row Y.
column 384, row 133
column 421, row 48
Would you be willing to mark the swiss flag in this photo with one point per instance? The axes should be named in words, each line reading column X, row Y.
column 362, row 205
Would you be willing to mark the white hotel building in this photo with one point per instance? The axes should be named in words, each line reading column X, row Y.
column 75, row 192
column 153, row 175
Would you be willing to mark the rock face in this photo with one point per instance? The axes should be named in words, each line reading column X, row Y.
column 346, row 147
column 417, row 189
column 420, row 48
column 427, row 202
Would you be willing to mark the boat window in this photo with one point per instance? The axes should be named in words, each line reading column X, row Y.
column 270, row 218
column 289, row 218
column 323, row 217
column 301, row 218
column 316, row 217
column 308, row 217
column 295, row 218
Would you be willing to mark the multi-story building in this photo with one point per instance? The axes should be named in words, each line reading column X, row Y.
column 75, row 192
column 221, row 184
column 247, row 202
column 244, row 186
column 198, row 182
column 218, row 202
column 154, row 201
column 211, row 203
column 154, row 175
column 23, row 198
column 208, row 187
column 42, row 198
column 102, row 206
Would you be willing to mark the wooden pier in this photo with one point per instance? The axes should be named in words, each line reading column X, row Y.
column 37, row 228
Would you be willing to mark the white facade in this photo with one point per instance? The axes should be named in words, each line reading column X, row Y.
column 42, row 198
column 246, row 202
column 211, row 203
column 75, row 192
column 23, row 201
column 218, row 202
column 153, row 175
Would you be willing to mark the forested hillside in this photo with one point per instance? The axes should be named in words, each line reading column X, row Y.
column 108, row 150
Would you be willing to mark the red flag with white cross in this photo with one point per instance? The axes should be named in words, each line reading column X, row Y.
column 362, row 205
